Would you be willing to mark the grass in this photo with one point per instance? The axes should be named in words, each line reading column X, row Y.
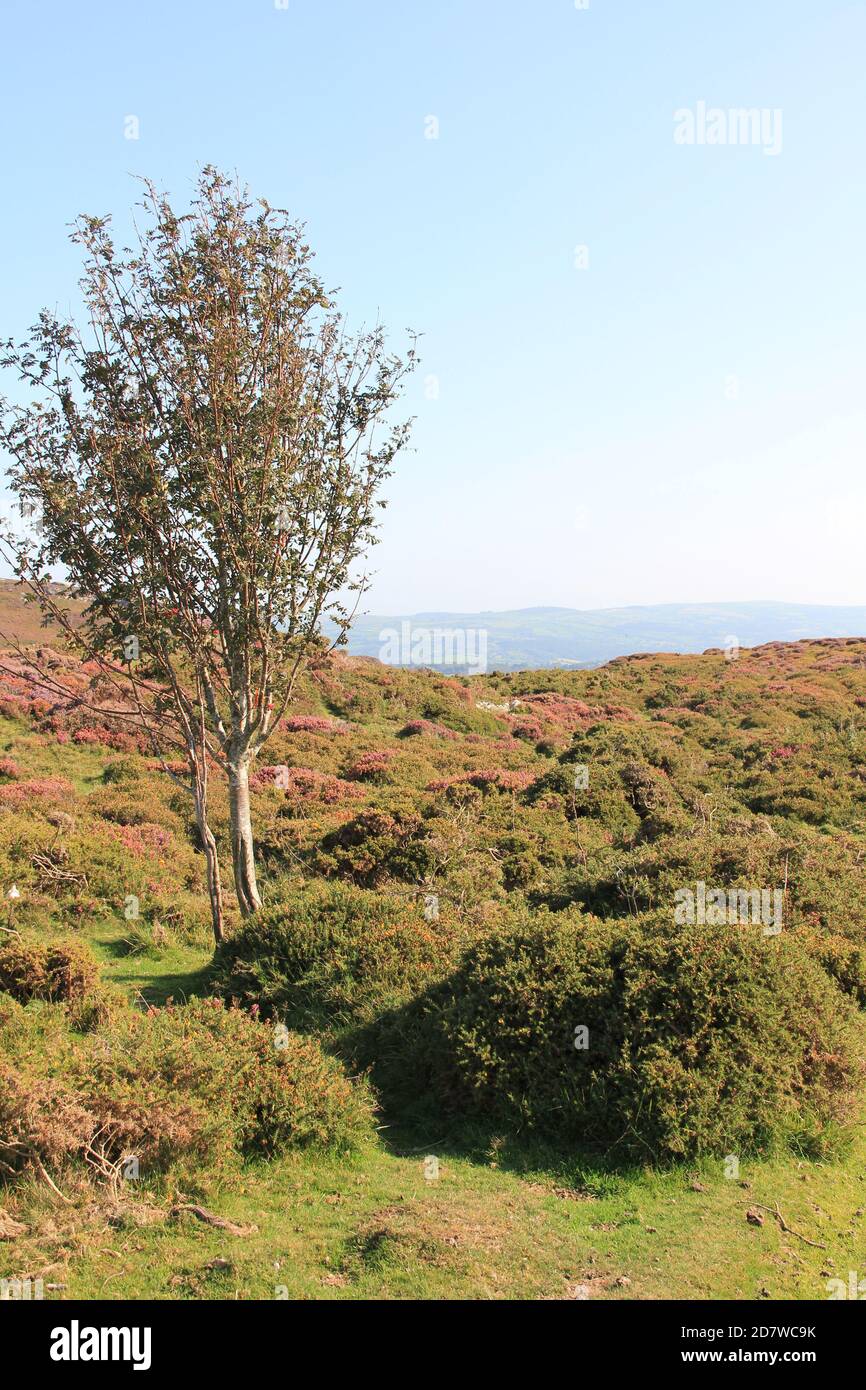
column 172, row 971
column 83, row 765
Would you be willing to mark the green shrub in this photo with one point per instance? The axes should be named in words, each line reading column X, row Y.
column 328, row 954
column 266, row 1089
column 42, row 1119
column 197, row 1086
column 130, row 803
column 59, row 971
column 700, row 1040
column 376, row 845
column 843, row 959
column 122, row 771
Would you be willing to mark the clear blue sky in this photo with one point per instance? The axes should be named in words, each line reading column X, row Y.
column 683, row 419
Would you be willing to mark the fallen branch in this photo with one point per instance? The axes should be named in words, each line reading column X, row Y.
column 210, row 1219
column 54, row 1188
column 789, row 1230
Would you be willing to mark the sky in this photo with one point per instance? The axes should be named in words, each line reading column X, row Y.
column 642, row 373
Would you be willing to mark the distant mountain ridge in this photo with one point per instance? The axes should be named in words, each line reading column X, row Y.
column 533, row 638
column 537, row 638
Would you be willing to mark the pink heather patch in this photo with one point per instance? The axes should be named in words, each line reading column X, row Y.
column 120, row 741
column 370, row 764
column 569, row 713
column 141, row 839
column 86, row 736
column 306, row 784
column 9, row 768
column 267, row 776
column 529, row 729
column 47, row 788
column 786, row 750
column 320, row 786
column 311, row 724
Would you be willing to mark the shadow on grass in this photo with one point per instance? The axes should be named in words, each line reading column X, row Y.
column 177, row 986
column 478, row 1140
column 405, row 1053
column 156, row 979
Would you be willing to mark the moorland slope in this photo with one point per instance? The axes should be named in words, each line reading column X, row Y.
column 475, row 1044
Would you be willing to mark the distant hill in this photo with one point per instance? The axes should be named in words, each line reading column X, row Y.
column 534, row 638
column 21, row 620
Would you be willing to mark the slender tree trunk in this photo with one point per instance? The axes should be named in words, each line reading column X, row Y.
column 214, row 884
column 243, row 857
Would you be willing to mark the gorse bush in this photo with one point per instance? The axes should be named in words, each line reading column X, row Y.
column 266, row 1089
column 196, row 1086
column 123, row 772
column 329, row 954
column 698, row 1040
column 376, row 845
column 60, row 971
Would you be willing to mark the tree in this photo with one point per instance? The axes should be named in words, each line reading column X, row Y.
column 205, row 456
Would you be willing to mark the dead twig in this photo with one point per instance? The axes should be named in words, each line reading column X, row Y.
column 789, row 1230
column 49, row 1180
